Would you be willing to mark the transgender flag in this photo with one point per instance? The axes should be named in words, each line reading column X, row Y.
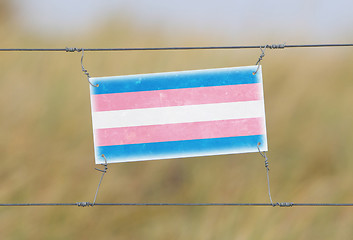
column 178, row 114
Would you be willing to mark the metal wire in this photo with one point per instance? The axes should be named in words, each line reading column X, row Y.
column 272, row 46
column 263, row 154
column 82, row 67
column 103, row 172
column 87, row 204
column 258, row 63
column 35, row 204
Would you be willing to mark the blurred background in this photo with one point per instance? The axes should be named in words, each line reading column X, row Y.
column 45, row 121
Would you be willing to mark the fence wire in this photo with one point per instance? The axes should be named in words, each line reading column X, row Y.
column 89, row 204
column 268, row 46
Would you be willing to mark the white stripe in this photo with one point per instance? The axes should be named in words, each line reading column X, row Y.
column 179, row 114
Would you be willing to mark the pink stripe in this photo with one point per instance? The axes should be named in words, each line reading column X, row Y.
column 176, row 97
column 180, row 131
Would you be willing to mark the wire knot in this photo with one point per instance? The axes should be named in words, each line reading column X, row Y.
column 263, row 154
column 67, row 49
column 283, row 204
column 258, row 63
column 261, row 57
column 84, row 204
column 105, row 164
column 276, row 46
column 267, row 164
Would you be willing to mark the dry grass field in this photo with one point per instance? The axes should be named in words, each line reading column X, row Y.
column 47, row 149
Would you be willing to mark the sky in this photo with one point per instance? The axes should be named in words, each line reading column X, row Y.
column 316, row 21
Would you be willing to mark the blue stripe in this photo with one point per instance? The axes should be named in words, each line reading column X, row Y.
column 176, row 80
column 175, row 149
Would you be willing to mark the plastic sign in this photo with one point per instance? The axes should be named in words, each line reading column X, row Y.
column 178, row 114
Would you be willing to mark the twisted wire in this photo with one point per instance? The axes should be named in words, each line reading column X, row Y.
column 82, row 67
column 263, row 154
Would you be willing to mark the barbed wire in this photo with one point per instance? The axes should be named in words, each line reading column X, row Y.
column 270, row 46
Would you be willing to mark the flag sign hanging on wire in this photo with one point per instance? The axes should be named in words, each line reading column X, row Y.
column 178, row 114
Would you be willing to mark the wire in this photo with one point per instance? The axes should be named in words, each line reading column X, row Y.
column 35, row 204
column 273, row 46
column 87, row 204
column 103, row 172
column 284, row 204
